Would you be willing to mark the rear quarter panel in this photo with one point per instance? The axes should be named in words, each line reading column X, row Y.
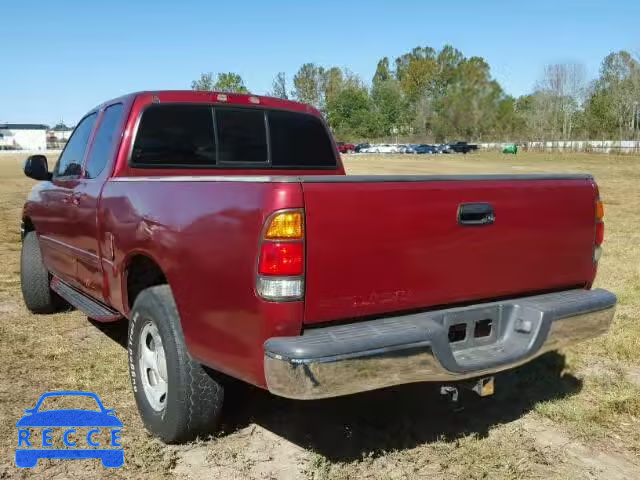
column 204, row 235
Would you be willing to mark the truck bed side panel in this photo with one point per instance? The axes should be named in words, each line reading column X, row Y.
column 204, row 235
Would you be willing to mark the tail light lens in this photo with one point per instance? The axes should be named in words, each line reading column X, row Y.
column 599, row 234
column 281, row 261
column 281, row 258
column 599, row 211
column 285, row 226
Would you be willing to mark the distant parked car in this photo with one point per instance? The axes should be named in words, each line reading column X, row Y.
column 361, row 146
column 371, row 148
column 385, row 148
column 422, row 149
column 375, row 148
column 346, row 147
column 443, row 148
column 463, row 147
column 409, row 148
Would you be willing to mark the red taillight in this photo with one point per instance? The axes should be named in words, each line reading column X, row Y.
column 280, row 275
column 281, row 258
column 599, row 233
column 599, row 222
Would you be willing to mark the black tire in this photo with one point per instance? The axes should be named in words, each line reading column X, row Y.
column 35, row 279
column 194, row 398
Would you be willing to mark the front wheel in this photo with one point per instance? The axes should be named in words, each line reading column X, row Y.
column 177, row 398
column 35, row 279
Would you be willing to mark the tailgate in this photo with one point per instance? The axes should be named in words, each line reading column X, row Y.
column 380, row 244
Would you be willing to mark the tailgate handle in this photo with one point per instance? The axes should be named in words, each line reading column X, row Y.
column 475, row 214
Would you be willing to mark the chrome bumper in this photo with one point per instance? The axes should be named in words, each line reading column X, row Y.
column 361, row 356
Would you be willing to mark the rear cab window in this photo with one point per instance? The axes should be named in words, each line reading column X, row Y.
column 207, row 136
column 242, row 136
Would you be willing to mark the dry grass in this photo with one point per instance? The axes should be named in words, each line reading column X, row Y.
column 569, row 415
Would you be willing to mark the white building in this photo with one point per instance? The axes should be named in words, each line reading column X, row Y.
column 61, row 132
column 23, row 136
column 57, row 137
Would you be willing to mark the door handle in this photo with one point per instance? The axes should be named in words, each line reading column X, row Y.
column 476, row 214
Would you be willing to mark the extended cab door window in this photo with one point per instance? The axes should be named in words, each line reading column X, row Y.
column 299, row 140
column 175, row 136
column 103, row 145
column 70, row 162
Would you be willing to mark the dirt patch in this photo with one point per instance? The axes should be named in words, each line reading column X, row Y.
column 250, row 453
column 602, row 367
column 596, row 464
column 633, row 375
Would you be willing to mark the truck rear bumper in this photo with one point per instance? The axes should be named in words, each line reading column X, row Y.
column 443, row 345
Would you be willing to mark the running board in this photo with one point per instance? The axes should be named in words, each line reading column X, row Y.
column 92, row 308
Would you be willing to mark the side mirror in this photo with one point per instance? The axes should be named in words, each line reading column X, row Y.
column 36, row 167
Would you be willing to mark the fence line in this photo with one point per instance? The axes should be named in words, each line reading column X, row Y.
column 591, row 146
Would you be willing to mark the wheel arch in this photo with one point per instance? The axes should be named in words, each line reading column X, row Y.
column 26, row 226
column 140, row 271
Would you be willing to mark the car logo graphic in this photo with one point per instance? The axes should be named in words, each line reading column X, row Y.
column 27, row 457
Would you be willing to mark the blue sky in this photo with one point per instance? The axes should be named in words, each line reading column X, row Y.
column 61, row 58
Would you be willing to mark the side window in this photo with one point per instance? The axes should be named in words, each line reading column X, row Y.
column 102, row 148
column 175, row 135
column 242, row 136
column 292, row 133
column 70, row 162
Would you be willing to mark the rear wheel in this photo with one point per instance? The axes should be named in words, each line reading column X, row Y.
column 35, row 279
column 178, row 398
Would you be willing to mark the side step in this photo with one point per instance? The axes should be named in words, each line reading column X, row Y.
column 92, row 308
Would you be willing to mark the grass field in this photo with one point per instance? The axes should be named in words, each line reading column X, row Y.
column 568, row 415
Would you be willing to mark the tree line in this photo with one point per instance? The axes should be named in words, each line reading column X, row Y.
column 431, row 95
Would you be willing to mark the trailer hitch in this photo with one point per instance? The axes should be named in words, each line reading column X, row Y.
column 483, row 387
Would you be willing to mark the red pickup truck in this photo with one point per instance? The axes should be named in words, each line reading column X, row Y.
column 224, row 229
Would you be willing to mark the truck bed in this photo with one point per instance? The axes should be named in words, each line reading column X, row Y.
column 375, row 246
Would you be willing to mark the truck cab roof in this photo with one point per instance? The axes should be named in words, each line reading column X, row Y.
column 200, row 96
